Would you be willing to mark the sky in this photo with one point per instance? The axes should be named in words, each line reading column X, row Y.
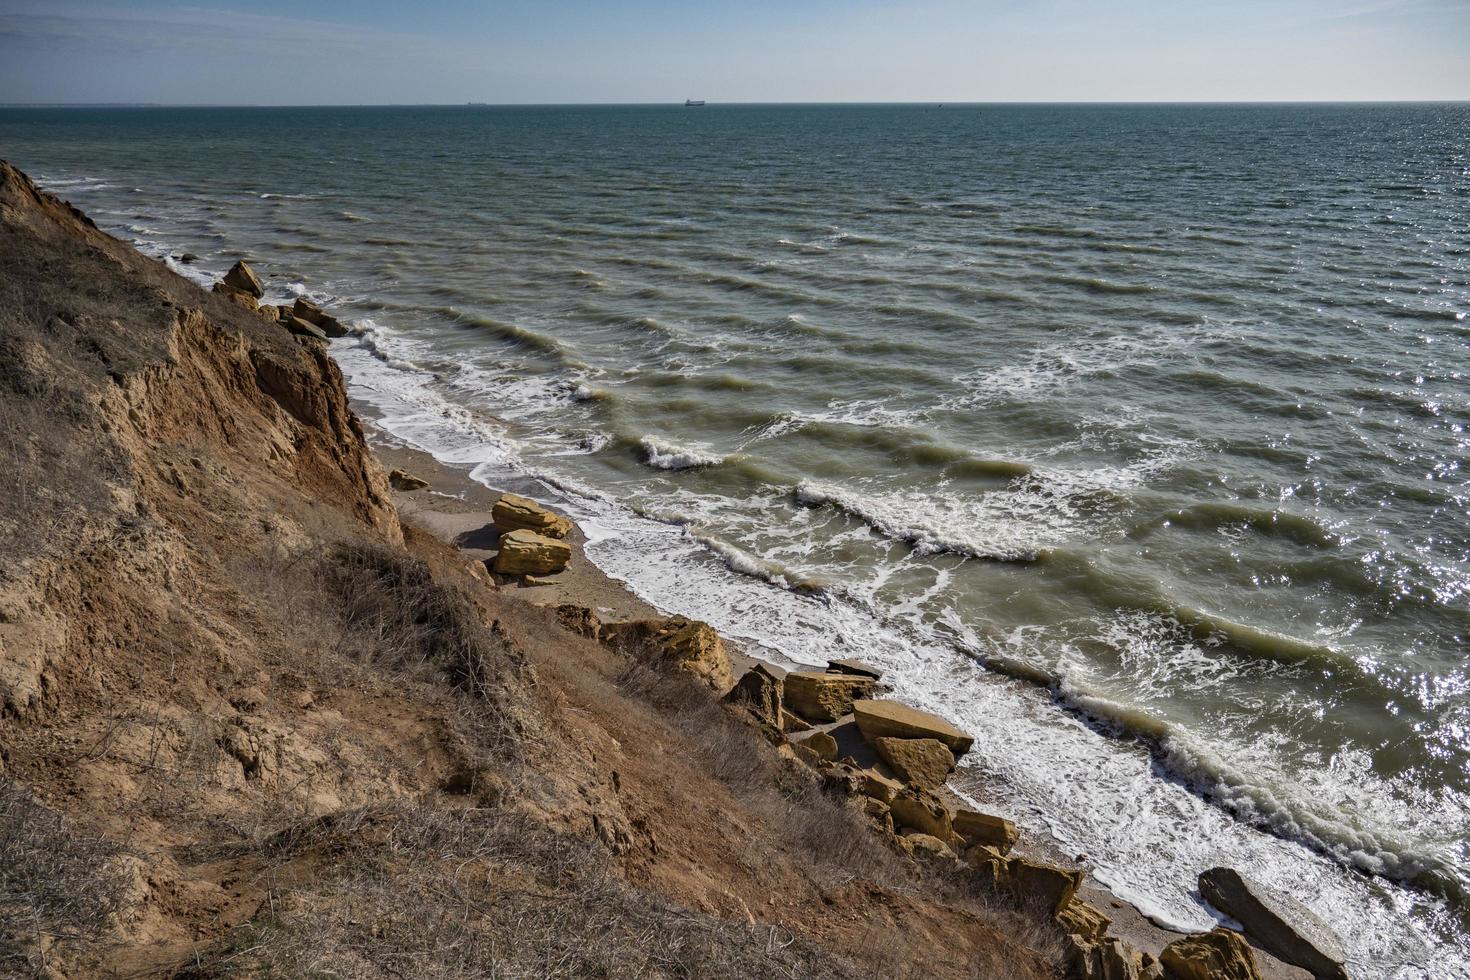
column 318, row 52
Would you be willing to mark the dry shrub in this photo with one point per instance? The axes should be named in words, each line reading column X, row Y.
column 477, row 893
column 57, row 885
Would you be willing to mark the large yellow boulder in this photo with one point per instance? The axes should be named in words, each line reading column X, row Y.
column 513, row 513
column 819, row 696
column 889, row 719
column 982, row 828
column 529, row 553
column 925, row 762
column 243, row 278
column 1219, row 954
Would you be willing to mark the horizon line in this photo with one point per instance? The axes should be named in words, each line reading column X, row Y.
column 708, row 104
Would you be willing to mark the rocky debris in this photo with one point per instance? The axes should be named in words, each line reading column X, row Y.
column 923, row 811
column 925, row 762
column 982, row 828
column 301, row 328
column 529, row 553
column 819, row 696
column 1280, row 924
column 1219, row 954
column 237, row 296
column 819, row 744
column 917, row 844
column 880, row 787
column 759, row 692
column 1083, row 920
column 404, row 481
column 877, row 811
column 885, row 719
column 272, row 313
column 579, row 620
column 313, row 314
column 854, row 667
column 687, row 643
column 243, row 278
column 1045, row 884
column 513, row 513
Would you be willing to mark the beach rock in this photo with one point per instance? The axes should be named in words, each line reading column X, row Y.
column 1215, row 955
column 686, row 643
column 923, row 811
column 924, row 845
column 332, row 327
column 879, row 786
column 877, row 811
column 818, row 696
column 885, row 719
column 579, row 620
column 854, row 667
column 990, row 865
column 237, row 296
column 1278, row 923
column 307, row 310
column 404, row 481
column 759, row 692
column 1045, row 884
column 925, row 762
column 243, row 278
column 301, row 328
column 1084, row 920
column 272, row 313
column 1106, row 959
column 513, row 513
column 792, row 722
column 822, row 745
column 982, row 828
column 528, row 553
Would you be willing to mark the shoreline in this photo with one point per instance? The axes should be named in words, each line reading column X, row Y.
column 456, row 508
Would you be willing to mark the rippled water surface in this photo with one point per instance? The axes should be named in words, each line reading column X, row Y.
column 1130, row 437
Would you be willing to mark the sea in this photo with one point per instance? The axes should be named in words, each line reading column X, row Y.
column 1130, row 438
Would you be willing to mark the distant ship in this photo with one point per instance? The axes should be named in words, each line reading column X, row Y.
column 693, row 102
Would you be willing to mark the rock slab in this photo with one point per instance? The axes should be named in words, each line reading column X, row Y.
column 925, row 762
column 889, row 719
column 528, row 553
column 818, row 696
column 514, row 513
column 982, row 828
column 1281, row 924
column 1219, row 954
column 243, row 278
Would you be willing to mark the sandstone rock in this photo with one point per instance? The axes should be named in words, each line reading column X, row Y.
column 925, row 762
column 854, row 667
column 272, row 313
column 818, row 696
column 982, row 828
column 402, row 480
column 528, row 553
column 1045, row 884
column 1105, row 959
column 512, row 513
column 307, row 310
column 820, row 743
column 579, row 620
column 333, row 327
column 792, row 722
column 1081, row 919
column 1279, row 923
column 301, row 328
column 1215, row 955
column 759, row 692
column 880, row 787
column 880, row 719
column 243, row 278
column 687, row 643
column 925, row 845
column 989, row 864
column 923, row 811
column 877, row 811
column 237, row 296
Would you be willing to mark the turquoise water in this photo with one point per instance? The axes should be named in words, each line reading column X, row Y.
column 1130, row 437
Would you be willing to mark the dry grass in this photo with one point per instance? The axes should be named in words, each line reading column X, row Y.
column 58, row 886
column 445, row 895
